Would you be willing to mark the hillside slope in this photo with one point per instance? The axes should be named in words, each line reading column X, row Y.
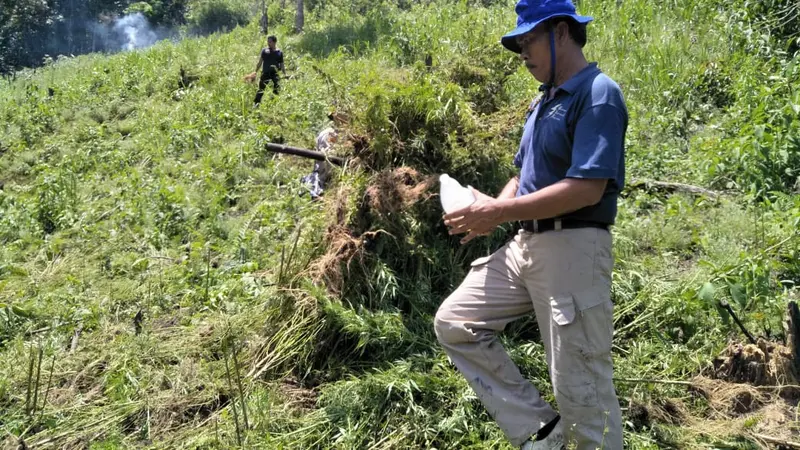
column 165, row 282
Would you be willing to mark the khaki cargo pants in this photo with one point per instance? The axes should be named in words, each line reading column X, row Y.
column 564, row 277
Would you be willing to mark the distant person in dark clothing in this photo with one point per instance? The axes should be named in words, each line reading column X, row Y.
column 272, row 59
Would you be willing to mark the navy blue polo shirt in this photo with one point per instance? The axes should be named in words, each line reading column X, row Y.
column 578, row 133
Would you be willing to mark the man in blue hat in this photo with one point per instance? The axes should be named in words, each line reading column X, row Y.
column 571, row 169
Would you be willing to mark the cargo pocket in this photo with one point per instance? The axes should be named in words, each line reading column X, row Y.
column 597, row 319
column 563, row 309
column 574, row 366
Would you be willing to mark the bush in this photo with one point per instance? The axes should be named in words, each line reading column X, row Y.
column 140, row 7
column 217, row 15
column 56, row 195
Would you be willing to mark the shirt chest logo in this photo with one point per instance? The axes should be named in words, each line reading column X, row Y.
column 557, row 112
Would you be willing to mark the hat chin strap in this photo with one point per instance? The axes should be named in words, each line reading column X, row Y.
column 547, row 86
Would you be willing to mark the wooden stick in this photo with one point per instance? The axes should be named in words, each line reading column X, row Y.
column 49, row 383
column 644, row 380
column 74, row 345
column 208, row 272
column 280, row 272
column 294, row 246
column 305, row 153
column 750, row 337
column 30, row 379
column 792, row 329
column 777, row 441
column 670, row 186
column 233, row 402
column 42, row 330
column 38, row 378
column 689, row 383
column 239, row 385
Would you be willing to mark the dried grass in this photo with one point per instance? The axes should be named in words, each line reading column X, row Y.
column 393, row 190
column 389, row 193
column 730, row 399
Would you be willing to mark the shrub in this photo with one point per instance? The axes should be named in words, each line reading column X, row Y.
column 217, row 15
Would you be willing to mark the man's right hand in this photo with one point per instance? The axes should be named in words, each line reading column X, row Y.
column 479, row 219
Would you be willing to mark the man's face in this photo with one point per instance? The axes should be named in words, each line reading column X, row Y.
column 535, row 54
column 271, row 44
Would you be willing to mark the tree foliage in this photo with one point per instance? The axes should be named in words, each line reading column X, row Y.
column 33, row 29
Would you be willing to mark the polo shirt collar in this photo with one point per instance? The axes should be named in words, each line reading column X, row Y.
column 576, row 80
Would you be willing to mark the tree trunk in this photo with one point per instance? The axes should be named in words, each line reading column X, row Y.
column 264, row 18
column 300, row 18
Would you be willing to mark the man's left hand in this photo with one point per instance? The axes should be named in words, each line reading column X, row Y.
column 479, row 219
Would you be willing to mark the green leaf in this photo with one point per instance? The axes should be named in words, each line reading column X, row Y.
column 738, row 294
column 707, row 293
column 140, row 264
column 707, row 263
column 22, row 312
column 140, row 7
column 16, row 270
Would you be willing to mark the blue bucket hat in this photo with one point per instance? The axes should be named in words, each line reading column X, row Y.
column 533, row 12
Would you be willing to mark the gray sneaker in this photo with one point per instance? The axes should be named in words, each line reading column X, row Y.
column 553, row 441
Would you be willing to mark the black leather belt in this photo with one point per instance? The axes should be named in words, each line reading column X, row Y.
column 540, row 226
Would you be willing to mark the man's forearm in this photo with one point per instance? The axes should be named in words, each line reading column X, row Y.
column 510, row 190
column 560, row 198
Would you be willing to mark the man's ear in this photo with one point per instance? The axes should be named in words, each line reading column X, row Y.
column 562, row 32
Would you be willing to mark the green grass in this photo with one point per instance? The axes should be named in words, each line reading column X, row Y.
column 124, row 193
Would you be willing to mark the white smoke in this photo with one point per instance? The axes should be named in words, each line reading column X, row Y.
column 136, row 31
column 126, row 33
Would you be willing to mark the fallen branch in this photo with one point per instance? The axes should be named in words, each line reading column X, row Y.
column 305, row 153
column 648, row 381
column 673, row 187
column 689, row 383
column 777, row 441
column 74, row 345
column 166, row 258
column 49, row 328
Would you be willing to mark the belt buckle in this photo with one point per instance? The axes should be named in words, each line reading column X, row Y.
column 557, row 225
